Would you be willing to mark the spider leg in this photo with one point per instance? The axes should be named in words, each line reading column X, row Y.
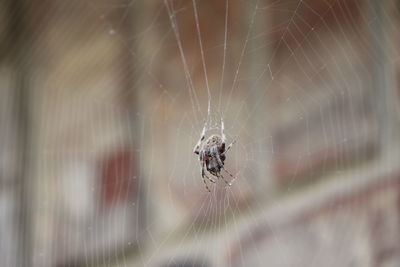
column 233, row 177
column 208, row 178
column 211, row 180
column 229, row 147
column 196, row 149
column 204, row 180
column 223, row 178
column 223, row 136
column 204, row 175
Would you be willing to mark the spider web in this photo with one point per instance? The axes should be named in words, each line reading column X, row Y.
column 295, row 83
column 240, row 94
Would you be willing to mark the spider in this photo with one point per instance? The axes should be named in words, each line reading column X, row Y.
column 212, row 154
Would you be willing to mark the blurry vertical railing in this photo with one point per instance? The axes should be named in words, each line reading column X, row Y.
column 131, row 65
column 384, row 88
column 259, row 66
column 18, row 56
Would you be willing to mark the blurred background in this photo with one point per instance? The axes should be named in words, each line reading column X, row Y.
column 102, row 102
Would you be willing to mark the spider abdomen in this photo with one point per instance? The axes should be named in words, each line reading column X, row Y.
column 213, row 149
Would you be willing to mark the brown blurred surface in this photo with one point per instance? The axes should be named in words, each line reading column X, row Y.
column 101, row 103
